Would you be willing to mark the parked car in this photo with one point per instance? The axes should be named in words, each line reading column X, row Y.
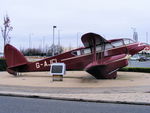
column 143, row 58
column 135, row 57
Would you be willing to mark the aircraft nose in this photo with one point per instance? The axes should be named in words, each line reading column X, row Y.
column 137, row 49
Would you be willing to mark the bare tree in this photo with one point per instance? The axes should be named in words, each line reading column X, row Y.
column 6, row 29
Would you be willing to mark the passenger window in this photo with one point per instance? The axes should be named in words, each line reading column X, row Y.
column 76, row 52
column 87, row 51
column 131, row 41
column 98, row 48
column 102, row 47
column 126, row 41
column 108, row 46
column 117, row 43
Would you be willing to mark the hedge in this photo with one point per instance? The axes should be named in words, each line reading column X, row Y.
column 136, row 69
column 2, row 64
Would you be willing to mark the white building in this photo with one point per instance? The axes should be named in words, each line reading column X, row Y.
column 135, row 36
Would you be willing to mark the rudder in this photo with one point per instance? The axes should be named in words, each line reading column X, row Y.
column 13, row 57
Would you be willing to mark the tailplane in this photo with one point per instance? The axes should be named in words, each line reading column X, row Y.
column 14, row 59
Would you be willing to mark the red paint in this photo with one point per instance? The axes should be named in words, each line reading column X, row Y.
column 99, row 57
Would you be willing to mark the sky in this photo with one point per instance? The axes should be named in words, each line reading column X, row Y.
column 33, row 20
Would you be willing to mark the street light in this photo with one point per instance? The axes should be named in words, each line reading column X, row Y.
column 58, row 37
column 146, row 37
column 53, row 53
column 30, row 40
column 77, row 39
column 58, row 46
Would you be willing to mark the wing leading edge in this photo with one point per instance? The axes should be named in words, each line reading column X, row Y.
column 93, row 39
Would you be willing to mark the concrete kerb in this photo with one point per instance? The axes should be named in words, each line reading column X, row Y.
column 48, row 96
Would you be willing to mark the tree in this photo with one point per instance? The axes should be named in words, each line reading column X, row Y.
column 31, row 52
column 56, row 48
column 6, row 29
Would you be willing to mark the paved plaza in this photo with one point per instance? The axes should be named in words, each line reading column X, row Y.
column 129, row 87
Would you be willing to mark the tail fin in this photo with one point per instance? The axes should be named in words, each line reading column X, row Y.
column 13, row 58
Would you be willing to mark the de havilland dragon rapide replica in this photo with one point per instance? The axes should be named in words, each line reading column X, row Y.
column 99, row 57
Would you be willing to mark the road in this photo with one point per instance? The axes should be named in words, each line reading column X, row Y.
column 139, row 64
column 32, row 105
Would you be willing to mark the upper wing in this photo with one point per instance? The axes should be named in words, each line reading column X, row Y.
column 92, row 39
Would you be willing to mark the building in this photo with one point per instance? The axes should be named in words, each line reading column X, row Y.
column 135, row 36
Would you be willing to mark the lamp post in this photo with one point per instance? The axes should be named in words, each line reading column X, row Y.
column 77, row 39
column 30, row 42
column 43, row 44
column 58, row 46
column 146, row 37
column 53, row 49
column 58, row 37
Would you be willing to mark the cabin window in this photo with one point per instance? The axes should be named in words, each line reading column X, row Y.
column 79, row 52
column 105, row 46
column 128, row 41
column 98, row 48
column 76, row 52
column 87, row 51
column 117, row 43
column 131, row 41
column 108, row 46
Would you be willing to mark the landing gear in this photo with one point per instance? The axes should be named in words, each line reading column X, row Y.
column 107, row 76
column 99, row 72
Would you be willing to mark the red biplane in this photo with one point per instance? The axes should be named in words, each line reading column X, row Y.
column 99, row 57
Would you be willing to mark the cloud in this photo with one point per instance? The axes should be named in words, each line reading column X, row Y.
column 112, row 18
